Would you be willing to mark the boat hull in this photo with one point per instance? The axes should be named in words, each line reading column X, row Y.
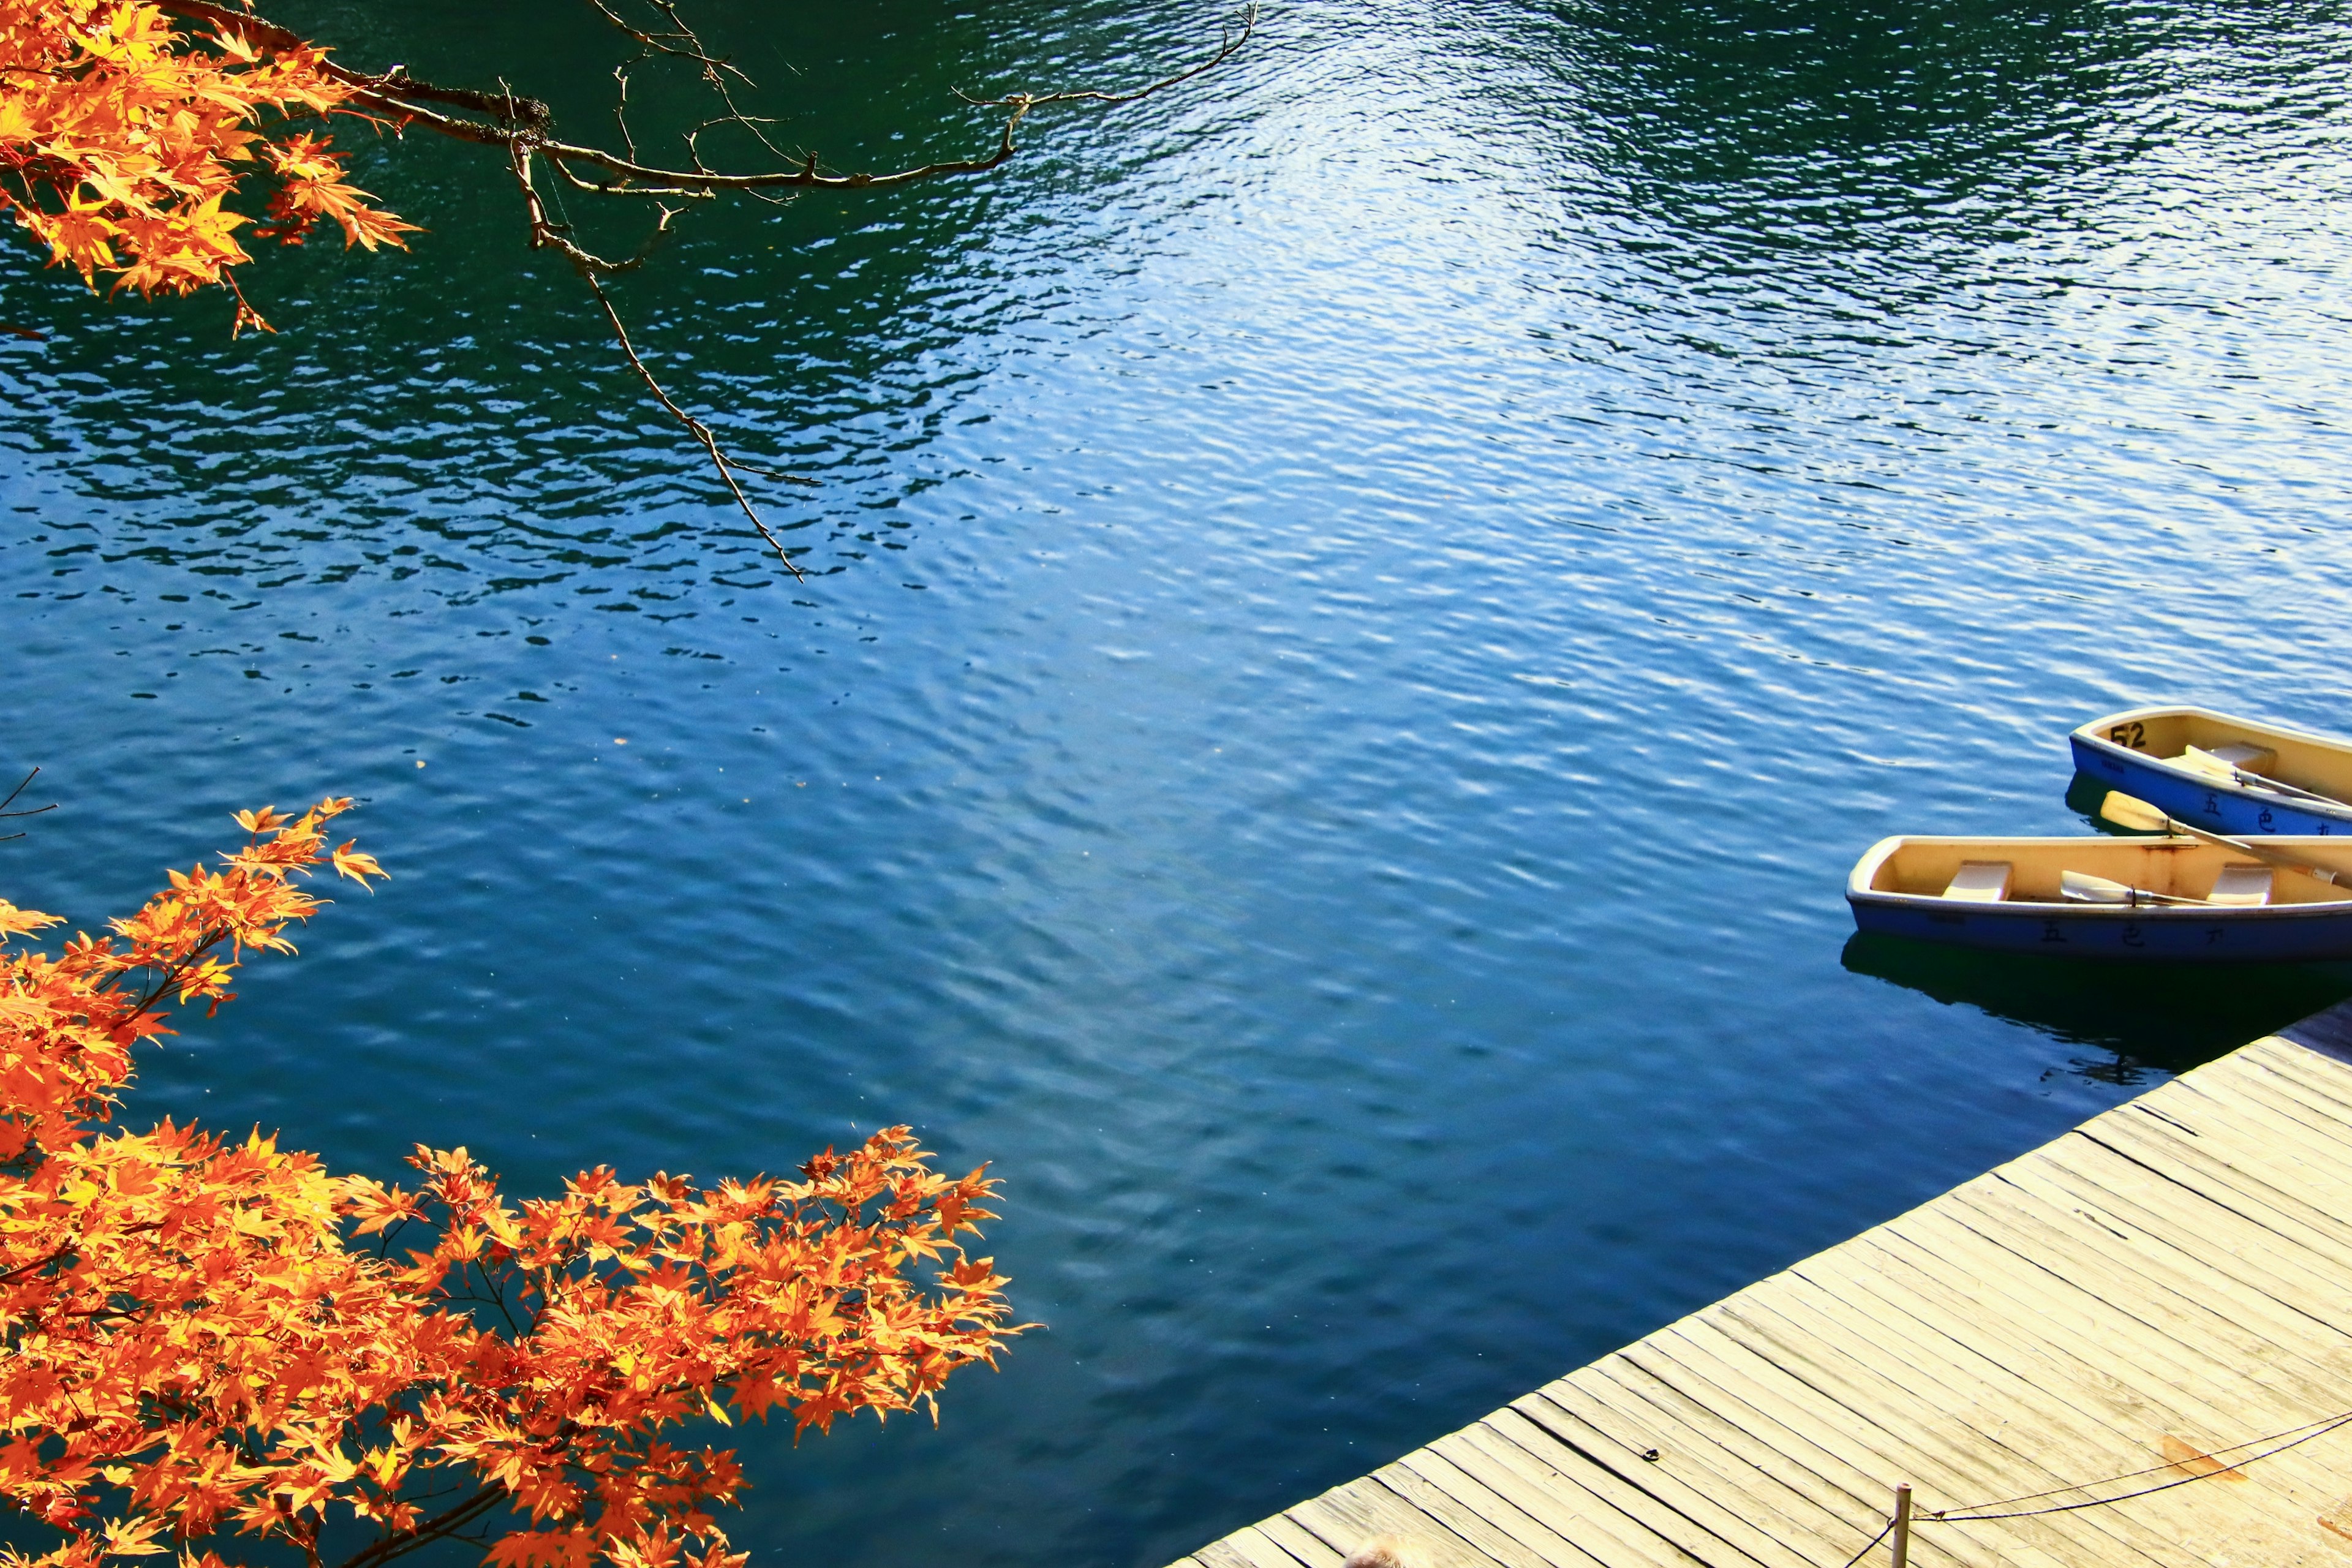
column 2163, row 935
column 2103, row 752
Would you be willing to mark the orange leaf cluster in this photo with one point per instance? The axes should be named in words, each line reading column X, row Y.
column 122, row 141
column 206, row 1337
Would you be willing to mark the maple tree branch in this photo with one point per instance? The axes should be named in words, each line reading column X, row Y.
column 395, row 84
column 306, row 1536
column 64, row 1250
column 172, row 975
column 399, row 1544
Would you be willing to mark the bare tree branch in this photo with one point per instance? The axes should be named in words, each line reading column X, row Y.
column 11, row 800
column 593, row 270
column 401, row 97
column 525, row 129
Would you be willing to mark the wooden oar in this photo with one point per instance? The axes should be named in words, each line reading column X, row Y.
column 2129, row 811
column 2082, row 888
column 2223, row 770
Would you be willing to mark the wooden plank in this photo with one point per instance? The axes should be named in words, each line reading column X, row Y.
column 1702, row 1459
column 1938, row 1291
column 2104, row 1376
column 2185, row 1161
column 1775, row 1487
column 1255, row 1549
column 1224, row 1554
column 2265, row 1132
column 2277, row 1103
column 2276, row 1089
column 2077, row 1554
column 1697, row 1524
column 1838, row 1505
column 2211, row 1157
column 2077, row 1369
column 2238, row 1258
column 1348, row 1516
column 1562, row 1526
column 1927, row 1447
column 2048, row 1438
column 1497, row 1531
column 1789, row 1411
column 2214, row 1265
column 1970, row 1385
column 2106, row 1311
column 2319, row 1078
column 2292, row 1155
column 2076, row 1477
column 2157, row 1293
column 1311, row 1551
column 1564, row 1505
column 2217, row 1405
column 2161, row 1302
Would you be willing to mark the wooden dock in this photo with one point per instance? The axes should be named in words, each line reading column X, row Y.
column 2164, row 1295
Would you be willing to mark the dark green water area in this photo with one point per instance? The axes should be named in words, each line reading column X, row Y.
column 1359, row 612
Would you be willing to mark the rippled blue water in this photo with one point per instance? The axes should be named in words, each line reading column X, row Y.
column 1363, row 611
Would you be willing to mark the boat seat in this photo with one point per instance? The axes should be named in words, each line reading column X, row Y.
column 2242, row 885
column 2245, row 754
column 2223, row 764
column 1980, row 882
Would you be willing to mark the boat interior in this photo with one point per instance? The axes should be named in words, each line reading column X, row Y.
column 2211, row 743
column 2039, row 870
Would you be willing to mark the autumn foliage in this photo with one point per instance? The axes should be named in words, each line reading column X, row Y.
column 209, row 1338
column 124, row 139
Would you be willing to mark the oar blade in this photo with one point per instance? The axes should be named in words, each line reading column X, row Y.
column 2130, row 811
column 2082, row 888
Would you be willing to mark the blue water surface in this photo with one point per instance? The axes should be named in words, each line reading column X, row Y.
column 1357, row 613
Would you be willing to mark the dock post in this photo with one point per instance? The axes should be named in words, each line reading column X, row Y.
column 1902, row 1525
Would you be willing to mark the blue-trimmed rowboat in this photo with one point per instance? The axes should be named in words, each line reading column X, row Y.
column 2227, row 775
column 2178, row 899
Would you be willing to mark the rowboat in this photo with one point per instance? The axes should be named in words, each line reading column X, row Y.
column 2233, row 775
column 2171, row 900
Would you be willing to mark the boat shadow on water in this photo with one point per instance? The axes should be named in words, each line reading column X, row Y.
column 2146, row 1019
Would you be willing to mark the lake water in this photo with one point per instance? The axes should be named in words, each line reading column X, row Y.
column 1359, row 612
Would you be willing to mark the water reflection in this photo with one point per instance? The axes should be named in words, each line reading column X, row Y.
column 2146, row 1019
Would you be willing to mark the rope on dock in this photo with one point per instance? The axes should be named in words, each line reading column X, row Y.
column 1964, row 1513
column 2319, row 1428
column 1873, row 1541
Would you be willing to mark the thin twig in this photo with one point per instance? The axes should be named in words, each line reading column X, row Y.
column 695, row 427
column 11, row 800
column 1230, row 42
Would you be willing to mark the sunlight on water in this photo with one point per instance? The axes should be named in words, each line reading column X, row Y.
column 1359, row 615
